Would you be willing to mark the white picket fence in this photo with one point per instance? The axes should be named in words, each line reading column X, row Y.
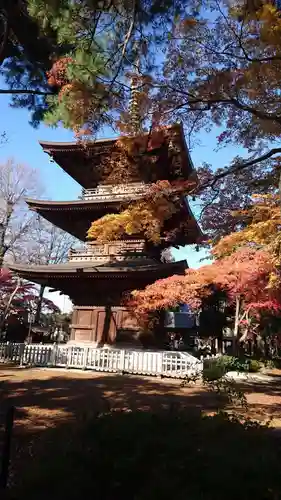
column 141, row 362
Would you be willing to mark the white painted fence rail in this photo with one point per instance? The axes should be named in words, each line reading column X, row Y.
column 142, row 362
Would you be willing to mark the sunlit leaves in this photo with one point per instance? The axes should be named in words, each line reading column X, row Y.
column 222, row 198
column 245, row 274
column 262, row 224
column 146, row 216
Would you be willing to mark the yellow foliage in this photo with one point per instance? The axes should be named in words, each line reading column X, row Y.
column 143, row 217
column 146, row 216
column 263, row 224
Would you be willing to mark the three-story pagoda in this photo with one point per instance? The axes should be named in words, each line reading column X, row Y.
column 97, row 276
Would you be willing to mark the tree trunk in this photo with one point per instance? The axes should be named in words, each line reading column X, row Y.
column 39, row 304
column 11, row 298
column 3, row 230
column 2, row 243
column 236, row 326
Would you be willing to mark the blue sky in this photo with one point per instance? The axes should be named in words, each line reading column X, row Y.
column 23, row 146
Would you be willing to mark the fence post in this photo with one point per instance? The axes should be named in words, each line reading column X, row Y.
column 54, row 355
column 122, row 361
column 160, row 364
column 21, row 354
column 7, row 447
column 9, row 351
column 85, row 357
column 68, row 361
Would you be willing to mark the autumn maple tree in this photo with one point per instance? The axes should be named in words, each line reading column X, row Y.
column 18, row 296
column 223, row 68
column 223, row 201
column 261, row 223
column 245, row 278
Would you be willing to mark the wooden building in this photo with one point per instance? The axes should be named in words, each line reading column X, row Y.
column 97, row 276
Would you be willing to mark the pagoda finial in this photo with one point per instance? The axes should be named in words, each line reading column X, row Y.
column 135, row 114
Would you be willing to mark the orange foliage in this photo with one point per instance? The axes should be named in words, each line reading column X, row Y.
column 245, row 274
column 135, row 145
column 57, row 76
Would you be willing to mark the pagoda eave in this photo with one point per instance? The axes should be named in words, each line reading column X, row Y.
column 81, row 161
column 90, row 270
column 80, row 281
column 182, row 228
column 74, row 217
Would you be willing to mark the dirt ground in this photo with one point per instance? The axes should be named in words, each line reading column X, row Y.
column 47, row 397
column 46, row 400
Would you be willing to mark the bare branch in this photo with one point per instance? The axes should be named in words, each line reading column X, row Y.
column 216, row 193
column 221, row 100
column 258, row 113
column 126, row 42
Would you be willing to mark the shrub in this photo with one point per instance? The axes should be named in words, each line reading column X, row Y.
column 272, row 363
column 215, row 368
column 213, row 371
column 254, row 365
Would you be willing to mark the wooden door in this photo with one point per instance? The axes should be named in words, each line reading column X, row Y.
column 94, row 324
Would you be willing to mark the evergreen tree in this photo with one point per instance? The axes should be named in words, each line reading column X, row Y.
column 94, row 44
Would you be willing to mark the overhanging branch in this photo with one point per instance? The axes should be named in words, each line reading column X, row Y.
column 246, row 164
column 238, row 167
column 25, row 91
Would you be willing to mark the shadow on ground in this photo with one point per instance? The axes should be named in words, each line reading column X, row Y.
column 149, row 455
column 107, row 437
column 43, row 396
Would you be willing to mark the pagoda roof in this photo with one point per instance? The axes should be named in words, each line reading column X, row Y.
column 184, row 226
column 61, row 276
column 76, row 217
column 67, row 214
column 96, row 271
column 82, row 162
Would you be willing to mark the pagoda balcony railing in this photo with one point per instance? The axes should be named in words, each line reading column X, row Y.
column 110, row 192
column 115, row 251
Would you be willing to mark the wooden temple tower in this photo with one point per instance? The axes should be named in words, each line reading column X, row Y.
column 97, row 275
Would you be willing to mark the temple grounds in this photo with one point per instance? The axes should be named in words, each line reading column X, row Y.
column 47, row 397
column 69, row 432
